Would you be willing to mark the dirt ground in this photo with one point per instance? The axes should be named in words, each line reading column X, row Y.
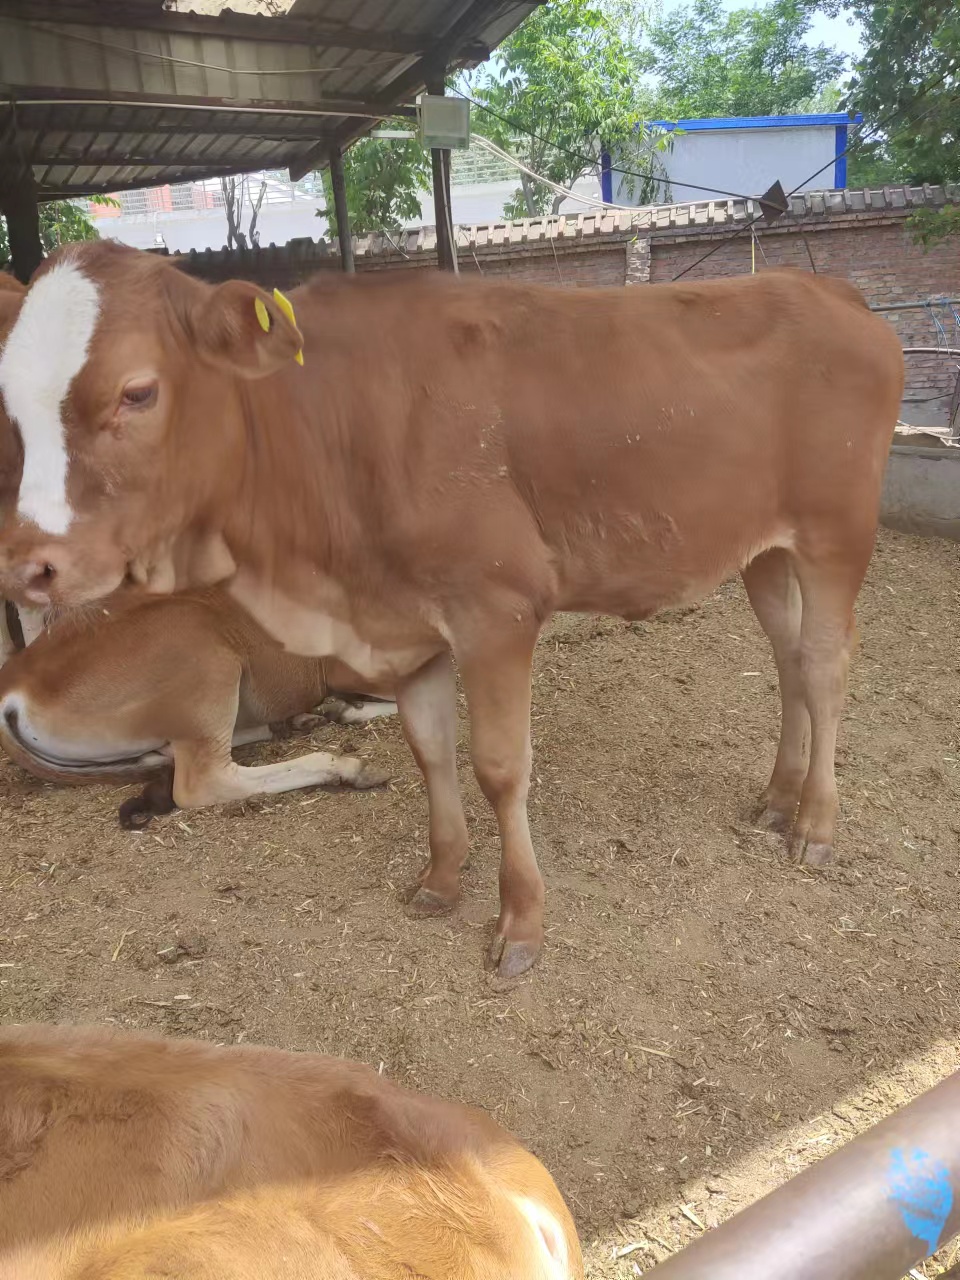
column 707, row 1017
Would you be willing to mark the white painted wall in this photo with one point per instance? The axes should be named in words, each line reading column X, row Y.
column 744, row 161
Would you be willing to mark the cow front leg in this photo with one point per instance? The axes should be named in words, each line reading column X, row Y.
column 496, row 678
column 205, row 773
column 427, row 702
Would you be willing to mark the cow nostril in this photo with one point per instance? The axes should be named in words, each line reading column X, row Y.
column 37, row 580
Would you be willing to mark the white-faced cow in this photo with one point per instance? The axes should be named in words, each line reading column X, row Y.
column 454, row 462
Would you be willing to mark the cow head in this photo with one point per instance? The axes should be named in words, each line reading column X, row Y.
column 121, row 384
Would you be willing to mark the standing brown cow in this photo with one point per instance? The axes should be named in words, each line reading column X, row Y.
column 454, row 463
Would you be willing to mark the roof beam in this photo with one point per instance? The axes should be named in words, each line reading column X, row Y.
column 227, row 25
column 27, row 95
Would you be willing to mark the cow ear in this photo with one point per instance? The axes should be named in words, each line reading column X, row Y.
column 244, row 329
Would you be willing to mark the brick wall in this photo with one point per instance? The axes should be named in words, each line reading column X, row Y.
column 859, row 235
column 879, row 258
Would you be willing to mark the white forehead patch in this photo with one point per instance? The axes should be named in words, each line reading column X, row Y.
column 45, row 351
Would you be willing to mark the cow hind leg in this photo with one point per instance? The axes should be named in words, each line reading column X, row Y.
column 827, row 639
column 496, row 679
column 774, row 592
column 427, row 702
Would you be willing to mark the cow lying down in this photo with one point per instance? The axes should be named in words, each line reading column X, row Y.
column 159, row 690
column 124, row 1157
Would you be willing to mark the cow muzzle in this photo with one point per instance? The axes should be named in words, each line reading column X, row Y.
column 40, row 572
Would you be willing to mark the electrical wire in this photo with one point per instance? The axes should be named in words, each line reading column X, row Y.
column 556, row 187
column 586, row 159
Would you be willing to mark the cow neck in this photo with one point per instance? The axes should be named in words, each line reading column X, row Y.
column 280, row 523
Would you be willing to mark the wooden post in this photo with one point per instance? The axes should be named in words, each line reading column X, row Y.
column 339, row 185
column 442, row 206
column 19, row 206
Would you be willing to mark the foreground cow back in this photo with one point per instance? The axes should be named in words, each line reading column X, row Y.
column 124, row 1157
column 454, row 462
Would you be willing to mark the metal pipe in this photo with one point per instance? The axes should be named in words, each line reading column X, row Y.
column 918, row 306
column 931, row 351
column 870, row 1211
column 442, row 204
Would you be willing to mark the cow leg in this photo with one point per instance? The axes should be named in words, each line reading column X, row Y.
column 205, row 773
column 427, row 702
column 247, row 737
column 774, row 592
column 826, row 642
column 357, row 711
column 497, row 682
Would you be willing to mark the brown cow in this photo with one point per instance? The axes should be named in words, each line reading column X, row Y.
column 455, row 462
column 114, row 695
column 124, row 1157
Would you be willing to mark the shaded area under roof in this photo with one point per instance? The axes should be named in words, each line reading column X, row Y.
column 108, row 95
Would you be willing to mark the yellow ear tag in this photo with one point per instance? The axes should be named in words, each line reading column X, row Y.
column 286, row 306
column 263, row 315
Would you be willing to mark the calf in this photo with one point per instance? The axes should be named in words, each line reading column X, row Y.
column 124, row 1157
column 117, row 695
column 454, row 462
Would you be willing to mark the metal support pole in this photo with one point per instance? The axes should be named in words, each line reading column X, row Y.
column 338, row 182
column 19, row 206
column 870, row 1211
column 443, row 208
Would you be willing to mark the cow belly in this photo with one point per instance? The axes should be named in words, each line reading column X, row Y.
column 641, row 580
column 72, row 745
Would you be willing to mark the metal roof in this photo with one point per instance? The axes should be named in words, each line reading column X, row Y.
column 107, row 95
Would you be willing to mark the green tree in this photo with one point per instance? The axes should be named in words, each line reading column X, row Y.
column 565, row 84
column 910, row 71
column 60, row 222
column 747, row 62
column 384, row 179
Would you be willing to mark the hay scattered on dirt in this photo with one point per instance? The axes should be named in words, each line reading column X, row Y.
column 703, row 1008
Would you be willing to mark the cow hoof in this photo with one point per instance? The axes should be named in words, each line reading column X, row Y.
column 811, row 853
column 769, row 819
column 369, row 777
column 511, row 959
column 425, row 903
column 134, row 815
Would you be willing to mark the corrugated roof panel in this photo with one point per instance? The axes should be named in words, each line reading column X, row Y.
column 99, row 106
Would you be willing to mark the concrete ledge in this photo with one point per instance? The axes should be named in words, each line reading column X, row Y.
column 921, row 490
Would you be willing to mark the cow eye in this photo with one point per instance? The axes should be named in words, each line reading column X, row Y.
column 139, row 395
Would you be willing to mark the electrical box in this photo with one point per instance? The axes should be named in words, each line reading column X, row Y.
column 444, row 122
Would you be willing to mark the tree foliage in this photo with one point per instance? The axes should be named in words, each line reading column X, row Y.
column 565, row 84
column 384, row 179
column 747, row 62
column 910, row 71
column 61, row 221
